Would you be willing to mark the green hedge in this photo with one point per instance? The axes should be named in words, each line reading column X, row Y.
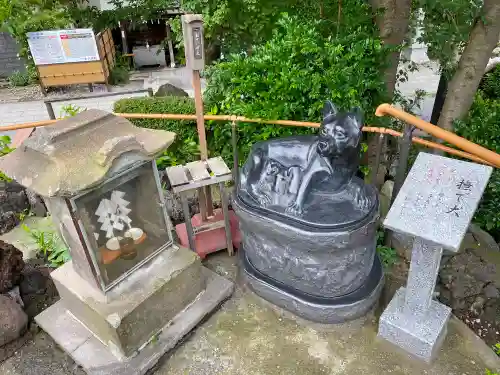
column 289, row 78
column 185, row 147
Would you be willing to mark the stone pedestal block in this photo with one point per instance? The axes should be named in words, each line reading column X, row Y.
column 126, row 317
column 96, row 358
column 419, row 334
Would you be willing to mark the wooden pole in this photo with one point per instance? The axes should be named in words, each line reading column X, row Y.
column 447, row 136
column 472, row 156
column 170, row 45
column 204, row 194
column 200, row 121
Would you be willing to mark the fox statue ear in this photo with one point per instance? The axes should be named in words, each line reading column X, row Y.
column 357, row 115
column 329, row 110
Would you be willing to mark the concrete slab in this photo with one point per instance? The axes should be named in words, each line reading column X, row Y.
column 247, row 337
column 96, row 359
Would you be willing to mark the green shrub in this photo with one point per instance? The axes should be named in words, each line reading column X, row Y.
column 24, row 78
column 289, row 78
column 185, row 147
column 490, row 84
column 19, row 79
column 4, row 150
column 119, row 75
column 482, row 126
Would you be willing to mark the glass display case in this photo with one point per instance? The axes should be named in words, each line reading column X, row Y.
column 123, row 222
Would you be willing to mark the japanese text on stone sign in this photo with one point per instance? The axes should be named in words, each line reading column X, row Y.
column 464, row 188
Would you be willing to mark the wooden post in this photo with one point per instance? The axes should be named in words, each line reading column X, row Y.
column 200, row 124
column 170, row 46
column 123, row 33
column 192, row 28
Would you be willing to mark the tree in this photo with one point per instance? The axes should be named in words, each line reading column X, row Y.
column 393, row 19
column 472, row 64
column 19, row 17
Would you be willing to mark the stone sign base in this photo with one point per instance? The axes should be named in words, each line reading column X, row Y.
column 97, row 359
column 320, row 310
column 421, row 336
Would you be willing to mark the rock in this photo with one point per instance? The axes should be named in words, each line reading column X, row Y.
column 483, row 272
column 13, row 318
column 13, row 201
column 464, row 285
column 10, row 349
column 34, row 281
column 483, row 238
column 11, row 265
column 37, row 290
column 477, row 305
column 170, row 90
column 490, row 291
column 15, row 294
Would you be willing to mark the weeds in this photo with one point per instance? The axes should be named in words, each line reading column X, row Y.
column 4, row 150
column 70, row 110
column 387, row 254
column 496, row 348
column 48, row 246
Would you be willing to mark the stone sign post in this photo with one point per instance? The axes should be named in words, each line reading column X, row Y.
column 435, row 206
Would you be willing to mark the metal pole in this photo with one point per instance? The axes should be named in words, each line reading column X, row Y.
column 378, row 155
column 227, row 221
column 404, row 153
column 235, row 152
column 50, row 110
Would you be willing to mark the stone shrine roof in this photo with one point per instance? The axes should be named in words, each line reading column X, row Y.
column 77, row 153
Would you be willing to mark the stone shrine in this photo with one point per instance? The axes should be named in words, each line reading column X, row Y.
column 435, row 205
column 309, row 225
column 130, row 293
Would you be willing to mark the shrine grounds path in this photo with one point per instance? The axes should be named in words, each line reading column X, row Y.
column 246, row 336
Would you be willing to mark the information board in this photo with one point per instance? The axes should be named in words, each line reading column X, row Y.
column 63, row 46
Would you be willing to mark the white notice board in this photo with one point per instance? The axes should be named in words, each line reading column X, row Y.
column 63, row 46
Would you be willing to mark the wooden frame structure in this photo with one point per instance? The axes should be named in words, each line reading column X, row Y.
column 82, row 72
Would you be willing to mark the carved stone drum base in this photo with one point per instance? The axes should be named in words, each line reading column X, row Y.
column 320, row 310
column 322, row 275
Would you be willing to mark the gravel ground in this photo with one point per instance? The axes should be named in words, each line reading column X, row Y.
column 33, row 92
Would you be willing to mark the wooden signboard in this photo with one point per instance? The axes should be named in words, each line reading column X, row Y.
column 67, row 57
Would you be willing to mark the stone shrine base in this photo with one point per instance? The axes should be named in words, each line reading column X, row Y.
column 320, row 310
column 96, row 359
column 419, row 336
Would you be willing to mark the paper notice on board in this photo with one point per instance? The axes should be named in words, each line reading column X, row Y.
column 45, row 47
column 63, row 46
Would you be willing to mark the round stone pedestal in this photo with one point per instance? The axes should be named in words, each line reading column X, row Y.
column 321, row 274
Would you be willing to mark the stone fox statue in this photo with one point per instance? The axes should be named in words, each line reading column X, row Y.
column 280, row 171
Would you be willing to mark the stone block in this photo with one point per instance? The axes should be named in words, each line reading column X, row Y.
column 128, row 315
column 96, row 359
column 421, row 335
